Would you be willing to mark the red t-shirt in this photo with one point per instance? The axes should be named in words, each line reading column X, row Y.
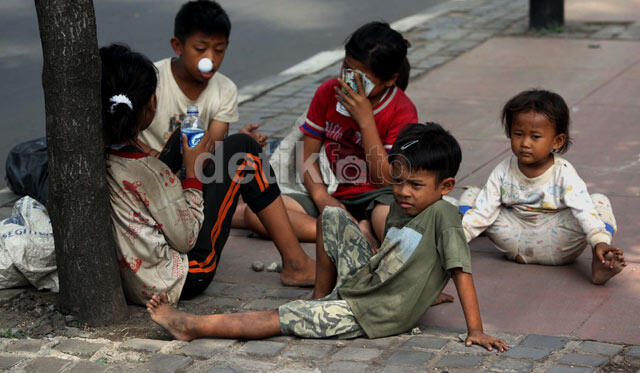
column 342, row 137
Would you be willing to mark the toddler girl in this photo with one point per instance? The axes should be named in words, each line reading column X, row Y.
column 534, row 207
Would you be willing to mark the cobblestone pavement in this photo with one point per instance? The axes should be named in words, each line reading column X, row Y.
column 437, row 36
column 426, row 350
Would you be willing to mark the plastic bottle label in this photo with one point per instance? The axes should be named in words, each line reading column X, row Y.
column 194, row 135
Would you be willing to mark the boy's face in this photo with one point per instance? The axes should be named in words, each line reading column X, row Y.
column 198, row 46
column 414, row 191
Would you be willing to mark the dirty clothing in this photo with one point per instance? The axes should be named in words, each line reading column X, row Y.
column 548, row 219
column 170, row 234
column 386, row 293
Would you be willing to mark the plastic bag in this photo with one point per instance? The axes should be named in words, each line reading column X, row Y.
column 27, row 169
column 283, row 162
column 27, row 251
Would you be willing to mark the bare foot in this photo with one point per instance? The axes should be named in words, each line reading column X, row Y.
column 602, row 272
column 299, row 273
column 367, row 232
column 175, row 322
column 520, row 260
column 442, row 298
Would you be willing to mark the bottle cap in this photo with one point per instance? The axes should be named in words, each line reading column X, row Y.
column 192, row 109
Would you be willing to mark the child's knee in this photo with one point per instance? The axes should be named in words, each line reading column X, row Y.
column 241, row 142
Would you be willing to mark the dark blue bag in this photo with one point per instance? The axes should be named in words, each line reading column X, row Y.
column 28, row 169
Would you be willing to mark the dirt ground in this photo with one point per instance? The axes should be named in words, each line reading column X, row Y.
column 34, row 314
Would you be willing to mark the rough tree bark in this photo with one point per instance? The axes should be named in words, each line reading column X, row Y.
column 78, row 204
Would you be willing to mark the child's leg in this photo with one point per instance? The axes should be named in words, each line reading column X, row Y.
column 238, row 220
column 304, row 226
column 221, row 197
column 342, row 250
column 298, row 269
column 504, row 232
column 378, row 219
column 185, row 327
column 468, row 198
column 325, row 269
column 319, row 319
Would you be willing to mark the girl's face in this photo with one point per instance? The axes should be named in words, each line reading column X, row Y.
column 533, row 138
column 147, row 114
column 380, row 86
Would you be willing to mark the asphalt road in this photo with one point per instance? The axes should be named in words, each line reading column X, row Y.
column 267, row 37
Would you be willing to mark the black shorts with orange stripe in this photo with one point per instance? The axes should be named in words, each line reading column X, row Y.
column 243, row 173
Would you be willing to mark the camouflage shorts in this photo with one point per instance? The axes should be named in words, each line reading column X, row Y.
column 330, row 316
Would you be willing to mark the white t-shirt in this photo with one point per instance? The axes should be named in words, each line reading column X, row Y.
column 534, row 199
column 218, row 101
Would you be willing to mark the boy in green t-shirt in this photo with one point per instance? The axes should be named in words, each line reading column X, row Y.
column 359, row 292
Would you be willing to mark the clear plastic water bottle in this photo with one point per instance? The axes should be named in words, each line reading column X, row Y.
column 192, row 126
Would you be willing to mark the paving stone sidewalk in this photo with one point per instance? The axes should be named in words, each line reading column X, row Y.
column 449, row 30
column 443, row 33
column 427, row 350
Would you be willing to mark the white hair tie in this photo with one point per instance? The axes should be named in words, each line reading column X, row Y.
column 119, row 99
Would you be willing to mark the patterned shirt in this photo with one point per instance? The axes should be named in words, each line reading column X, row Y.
column 156, row 221
column 535, row 199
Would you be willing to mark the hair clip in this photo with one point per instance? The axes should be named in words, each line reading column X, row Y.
column 119, row 99
column 410, row 143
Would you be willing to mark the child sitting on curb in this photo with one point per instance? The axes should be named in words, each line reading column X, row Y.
column 170, row 234
column 358, row 293
column 534, row 207
column 201, row 32
column 356, row 118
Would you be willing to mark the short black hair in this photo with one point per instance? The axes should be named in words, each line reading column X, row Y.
column 382, row 49
column 427, row 147
column 202, row 15
column 548, row 103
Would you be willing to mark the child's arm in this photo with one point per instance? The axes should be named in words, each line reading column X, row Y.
column 486, row 208
column 361, row 110
column 217, row 130
column 577, row 198
column 311, row 176
column 469, row 302
column 252, row 130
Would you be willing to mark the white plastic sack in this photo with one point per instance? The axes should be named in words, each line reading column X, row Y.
column 27, row 253
column 283, row 162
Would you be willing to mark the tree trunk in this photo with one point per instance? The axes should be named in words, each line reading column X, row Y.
column 78, row 204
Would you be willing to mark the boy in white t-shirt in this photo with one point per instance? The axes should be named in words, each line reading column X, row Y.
column 201, row 31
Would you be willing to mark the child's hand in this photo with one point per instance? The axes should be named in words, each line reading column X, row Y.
column 251, row 130
column 190, row 155
column 357, row 104
column 601, row 251
column 486, row 341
